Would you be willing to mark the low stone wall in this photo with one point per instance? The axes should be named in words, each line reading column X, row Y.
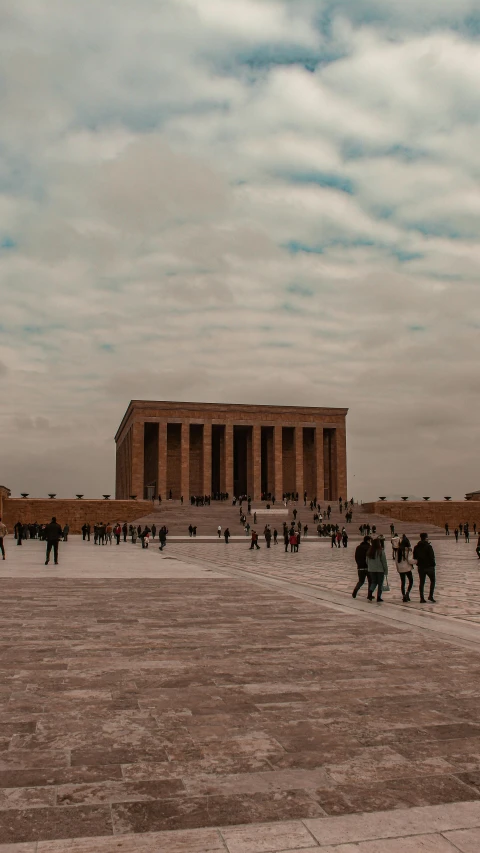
column 72, row 512
column 428, row 512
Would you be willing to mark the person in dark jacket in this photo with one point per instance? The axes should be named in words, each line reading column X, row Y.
column 424, row 556
column 361, row 561
column 53, row 534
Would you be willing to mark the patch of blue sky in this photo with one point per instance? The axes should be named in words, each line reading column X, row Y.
column 429, row 228
column 295, row 247
column 321, row 179
column 263, row 57
column 107, row 347
column 416, row 328
column 404, row 256
column 470, row 25
column 300, row 289
column 353, row 149
column 7, row 243
column 275, row 345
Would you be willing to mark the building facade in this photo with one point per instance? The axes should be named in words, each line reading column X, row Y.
column 207, row 448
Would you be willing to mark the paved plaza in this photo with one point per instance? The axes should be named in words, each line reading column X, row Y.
column 211, row 698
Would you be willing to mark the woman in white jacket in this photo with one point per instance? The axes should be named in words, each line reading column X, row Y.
column 404, row 564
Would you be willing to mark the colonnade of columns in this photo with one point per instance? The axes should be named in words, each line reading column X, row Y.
column 186, row 458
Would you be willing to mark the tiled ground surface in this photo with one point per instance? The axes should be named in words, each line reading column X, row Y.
column 137, row 705
column 318, row 565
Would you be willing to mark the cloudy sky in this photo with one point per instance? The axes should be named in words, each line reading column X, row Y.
column 269, row 201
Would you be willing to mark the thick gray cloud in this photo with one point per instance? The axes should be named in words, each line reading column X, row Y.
column 240, row 200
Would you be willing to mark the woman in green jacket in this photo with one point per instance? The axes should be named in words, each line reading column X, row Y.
column 377, row 569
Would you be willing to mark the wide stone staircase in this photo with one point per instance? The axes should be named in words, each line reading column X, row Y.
column 178, row 517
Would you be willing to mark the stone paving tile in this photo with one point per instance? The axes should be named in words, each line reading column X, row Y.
column 46, row 823
column 264, row 839
column 29, row 847
column 465, row 840
column 187, row 841
column 213, row 810
column 419, row 844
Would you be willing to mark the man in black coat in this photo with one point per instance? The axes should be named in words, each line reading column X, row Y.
column 53, row 534
column 424, row 556
column 361, row 561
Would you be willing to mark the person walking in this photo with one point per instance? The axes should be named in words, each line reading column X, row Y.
column 286, row 539
column 455, row 532
column 424, row 556
column 466, row 531
column 275, row 536
column 53, row 534
column 361, row 561
column 162, row 536
column 404, row 565
column 477, row 549
column 345, row 538
column 377, row 567
column 125, row 531
column 117, row 532
column 66, row 531
column 254, row 541
column 447, row 529
column 3, row 533
column 226, row 535
column 154, row 531
column 219, row 531
column 268, row 537
column 84, row 531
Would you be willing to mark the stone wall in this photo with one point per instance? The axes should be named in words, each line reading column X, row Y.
column 428, row 512
column 72, row 512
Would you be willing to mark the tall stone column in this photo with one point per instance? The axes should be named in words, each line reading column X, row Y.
column 185, row 463
column 207, row 458
column 257, row 462
column 320, row 464
column 341, row 461
column 138, row 462
column 278, row 456
column 162, row 461
column 229, row 459
column 299, row 462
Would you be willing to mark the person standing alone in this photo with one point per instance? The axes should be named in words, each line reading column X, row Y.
column 53, row 534
column 424, row 556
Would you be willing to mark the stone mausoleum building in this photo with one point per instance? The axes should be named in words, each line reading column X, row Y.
column 207, row 448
